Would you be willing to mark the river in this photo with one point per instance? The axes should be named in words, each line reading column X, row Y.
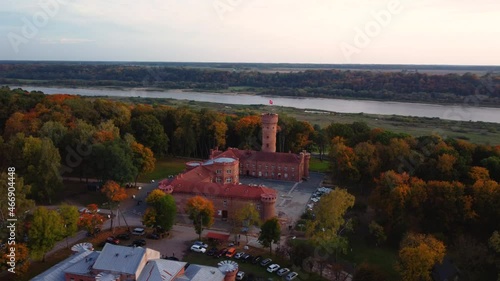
column 448, row 112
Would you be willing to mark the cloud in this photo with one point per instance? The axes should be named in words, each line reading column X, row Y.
column 64, row 41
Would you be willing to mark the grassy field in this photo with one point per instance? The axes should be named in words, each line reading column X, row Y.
column 476, row 132
column 165, row 167
column 316, row 165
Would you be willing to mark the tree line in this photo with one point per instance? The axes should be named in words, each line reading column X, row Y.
column 449, row 88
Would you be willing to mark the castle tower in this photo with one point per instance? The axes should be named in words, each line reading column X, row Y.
column 268, row 202
column 269, row 129
column 307, row 158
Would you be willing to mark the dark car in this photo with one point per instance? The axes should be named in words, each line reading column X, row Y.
column 212, row 251
column 112, row 240
column 256, row 259
column 153, row 236
column 221, row 253
column 266, row 262
column 246, row 257
column 139, row 242
column 123, row 236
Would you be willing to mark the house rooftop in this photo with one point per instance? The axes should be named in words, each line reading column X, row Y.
column 120, row 259
column 56, row 273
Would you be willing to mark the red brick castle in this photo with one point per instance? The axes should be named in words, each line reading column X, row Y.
column 218, row 178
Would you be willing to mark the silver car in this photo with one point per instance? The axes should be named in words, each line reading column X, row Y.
column 291, row 276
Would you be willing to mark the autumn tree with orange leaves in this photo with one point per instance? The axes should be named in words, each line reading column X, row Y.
column 115, row 194
column 201, row 211
column 90, row 219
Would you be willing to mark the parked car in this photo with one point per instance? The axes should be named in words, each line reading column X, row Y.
column 212, row 251
column 282, row 271
column 240, row 275
column 231, row 252
column 198, row 249
column 87, row 211
column 273, row 267
column 138, row 231
column 291, row 276
column 113, row 240
column 221, row 253
column 266, row 262
column 239, row 255
column 139, row 243
column 153, row 236
column 199, row 243
column 256, row 259
column 246, row 257
column 123, row 236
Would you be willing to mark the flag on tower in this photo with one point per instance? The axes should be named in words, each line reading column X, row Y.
column 270, row 101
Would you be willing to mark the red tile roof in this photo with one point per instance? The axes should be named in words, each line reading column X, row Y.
column 219, row 190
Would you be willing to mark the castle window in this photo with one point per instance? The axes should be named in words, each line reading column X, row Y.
column 286, row 175
column 260, row 166
column 241, row 171
column 224, row 203
column 266, row 174
column 248, row 165
column 228, row 171
column 229, row 180
column 293, row 169
column 286, row 168
column 218, row 179
column 279, row 168
column 219, row 172
column 258, row 206
column 267, row 166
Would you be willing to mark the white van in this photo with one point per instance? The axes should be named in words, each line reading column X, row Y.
column 138, row 231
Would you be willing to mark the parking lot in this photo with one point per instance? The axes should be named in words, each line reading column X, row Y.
column 292, row 197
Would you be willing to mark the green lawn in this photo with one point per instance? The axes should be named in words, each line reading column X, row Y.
column 165, row 167
column 316, row 165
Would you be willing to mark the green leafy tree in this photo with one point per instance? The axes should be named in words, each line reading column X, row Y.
column 377, row 231
column 144, row 160
column 162, row 211
column 23, row 204
column 248, row 216
column 70, row 216
column 40, row 168
column 113, row 160
column 270, row 232
column 148, row 131
column 326, row 231
column 201, row 211
column 46, row 229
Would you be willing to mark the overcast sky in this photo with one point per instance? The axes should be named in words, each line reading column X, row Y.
column 295, row 31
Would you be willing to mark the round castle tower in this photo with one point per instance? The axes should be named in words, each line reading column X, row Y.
column 269, row 129
column 268, row 203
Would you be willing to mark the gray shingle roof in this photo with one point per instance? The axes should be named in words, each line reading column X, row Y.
column 119, row 259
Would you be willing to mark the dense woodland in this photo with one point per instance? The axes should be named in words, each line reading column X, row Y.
column 468, row 88
column 446, row 188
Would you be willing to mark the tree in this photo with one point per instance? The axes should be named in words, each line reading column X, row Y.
column 248, row 216
column 143, row 160
column 22, row 258
column 327, row 229
column 46, row 229
column 70, row 216
column 115, row 194
column 201, row 211
column 162, row 211
column 148, row 131
column 378, row 232
column 494, row 243
column 23, row 204
column 91, row 219
column 270, row 232
column 113, row 161
column 40, row 167
column 418, row 253
column 343, row 160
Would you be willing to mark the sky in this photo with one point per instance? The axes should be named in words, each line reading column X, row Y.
column 456, row 32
